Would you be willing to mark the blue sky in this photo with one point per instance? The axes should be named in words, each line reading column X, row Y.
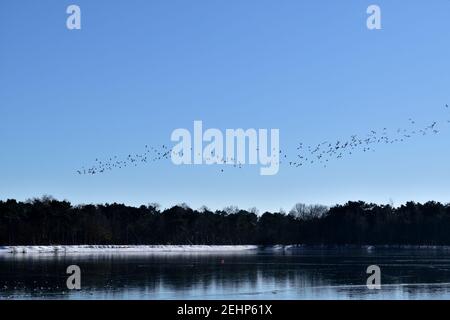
column 137, row 70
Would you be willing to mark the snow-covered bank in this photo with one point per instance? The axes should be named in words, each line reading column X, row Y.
column 138, row 249
column 365, row 247
column 120, row 249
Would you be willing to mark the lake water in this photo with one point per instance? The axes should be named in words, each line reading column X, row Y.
column 292, row 274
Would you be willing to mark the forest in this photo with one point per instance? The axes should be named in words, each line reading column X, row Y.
column 46, row 221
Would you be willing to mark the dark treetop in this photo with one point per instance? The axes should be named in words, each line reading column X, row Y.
column 47, row 221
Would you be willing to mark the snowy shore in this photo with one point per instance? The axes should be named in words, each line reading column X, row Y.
column 121, row 249
column 118, row 249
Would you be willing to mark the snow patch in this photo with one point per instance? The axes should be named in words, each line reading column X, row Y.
column 121, row 249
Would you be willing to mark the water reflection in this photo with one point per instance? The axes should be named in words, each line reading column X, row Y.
column 297, row 274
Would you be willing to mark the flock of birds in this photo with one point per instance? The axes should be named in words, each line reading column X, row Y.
column 327, row 151
column 150, row 154
column 322, row 153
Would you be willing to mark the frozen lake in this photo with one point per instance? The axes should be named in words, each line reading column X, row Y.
column 242, row 274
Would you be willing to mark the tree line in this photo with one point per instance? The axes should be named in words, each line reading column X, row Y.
column 46, row 221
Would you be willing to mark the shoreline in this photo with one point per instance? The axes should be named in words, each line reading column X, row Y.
column 68, row 249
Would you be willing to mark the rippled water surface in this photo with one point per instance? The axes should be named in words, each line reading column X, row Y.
column 293, row 274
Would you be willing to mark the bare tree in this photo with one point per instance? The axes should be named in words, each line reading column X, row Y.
column 308, row 212
column 231, row 209
column 253, row 210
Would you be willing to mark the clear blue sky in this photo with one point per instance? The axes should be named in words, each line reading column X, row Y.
column 139, row 69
